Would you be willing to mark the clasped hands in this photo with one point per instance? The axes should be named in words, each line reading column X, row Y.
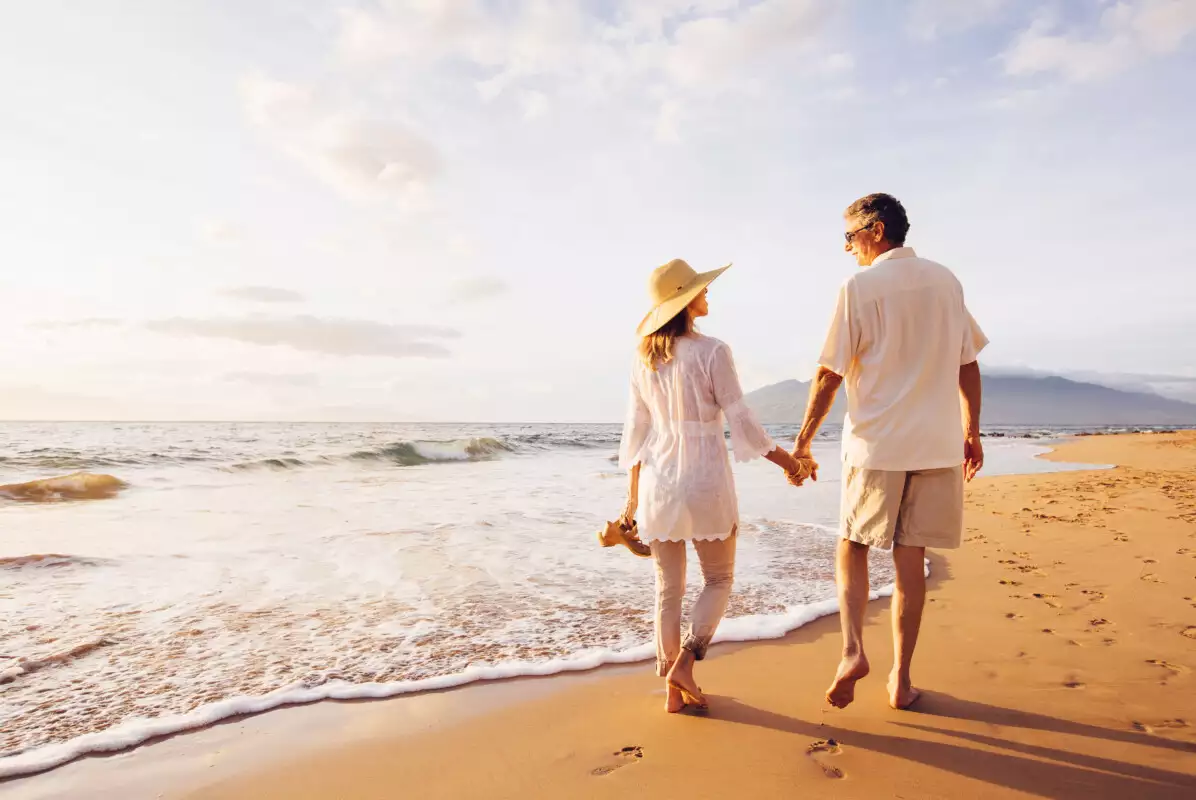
column 804, row 466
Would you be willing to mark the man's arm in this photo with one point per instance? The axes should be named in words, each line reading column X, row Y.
column 970, row 392
column 822, row 397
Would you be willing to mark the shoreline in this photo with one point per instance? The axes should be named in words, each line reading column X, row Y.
column 470, row 710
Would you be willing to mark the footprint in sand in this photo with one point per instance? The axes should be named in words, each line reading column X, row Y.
column 1012, row 615
column 1049, row 599
column 1150, row 577
column 628, row 755
column 831, row 748
column 1121, row 537
column 1093, row 595
column 1189, row 632
column 1173, row 670
column 1010, row 583
column 1166, row 724
column 1073, row 684
column 1099, row 622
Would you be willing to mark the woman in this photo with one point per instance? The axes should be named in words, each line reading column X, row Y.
column 683, row 385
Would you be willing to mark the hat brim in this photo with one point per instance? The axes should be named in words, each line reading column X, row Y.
column 666, row 310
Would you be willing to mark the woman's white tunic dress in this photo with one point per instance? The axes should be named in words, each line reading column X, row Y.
column 675, row 429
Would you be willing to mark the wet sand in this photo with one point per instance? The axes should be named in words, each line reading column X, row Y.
column 1056, row 660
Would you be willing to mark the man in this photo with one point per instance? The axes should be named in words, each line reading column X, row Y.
column 906, row 346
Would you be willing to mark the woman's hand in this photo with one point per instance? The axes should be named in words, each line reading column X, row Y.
column 794, row 468
column 807, row 467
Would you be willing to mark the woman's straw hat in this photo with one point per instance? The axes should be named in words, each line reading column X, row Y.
column 672, row 287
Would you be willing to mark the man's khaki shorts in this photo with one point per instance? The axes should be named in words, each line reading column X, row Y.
column 922, row 508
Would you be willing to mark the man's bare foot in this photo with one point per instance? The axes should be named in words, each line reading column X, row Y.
column 842, row 690
column 902, row 694
column 673, row 701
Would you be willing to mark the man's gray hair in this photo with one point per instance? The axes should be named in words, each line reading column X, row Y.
column 884, row 208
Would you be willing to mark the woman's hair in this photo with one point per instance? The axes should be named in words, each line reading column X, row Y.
column 657, row 348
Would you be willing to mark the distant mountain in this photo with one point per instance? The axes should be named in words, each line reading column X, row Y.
column 1012, row 400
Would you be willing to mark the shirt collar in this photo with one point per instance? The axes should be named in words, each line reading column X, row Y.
column 896, row 252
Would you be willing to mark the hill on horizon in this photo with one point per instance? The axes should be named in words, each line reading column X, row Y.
column 1010, row 400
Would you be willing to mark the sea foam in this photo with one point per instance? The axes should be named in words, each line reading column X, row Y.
column 134, row 732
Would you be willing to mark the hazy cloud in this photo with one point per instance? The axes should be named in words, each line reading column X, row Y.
column 930, row 19
column 88, row 322
column 220, row 232
column 1125, row 34
column 533, row 104
column 361, row 158
column 262, row 294
column 696, row 45
column 297, row 380
column 24, row 402
column 339, row 337
column 479, row 287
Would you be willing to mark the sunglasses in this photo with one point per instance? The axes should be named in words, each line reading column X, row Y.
column 850, row 235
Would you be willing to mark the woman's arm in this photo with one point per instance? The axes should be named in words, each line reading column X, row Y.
column 633, row 494
column 785, row 460
column 748, row 438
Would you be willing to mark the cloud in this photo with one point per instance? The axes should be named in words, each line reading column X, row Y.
column 88, row 322
column 668, row 123
column 299, row 380
column 221, row 233
column 709, row 50
column 338, row 337
column 534, row 104
column 837, row 63
column 570, row 48
column 931, row 19
column 1125, row 34
column 24, row 402
column 476, row 288
column 262, row 294
column 361, row 158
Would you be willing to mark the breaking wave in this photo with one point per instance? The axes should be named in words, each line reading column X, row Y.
column 76, row 486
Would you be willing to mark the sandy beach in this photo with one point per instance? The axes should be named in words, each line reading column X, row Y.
column 1056, row 659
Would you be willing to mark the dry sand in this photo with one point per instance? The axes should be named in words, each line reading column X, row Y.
column 1056, row 658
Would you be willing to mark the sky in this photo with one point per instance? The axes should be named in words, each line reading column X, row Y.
column 421, row 210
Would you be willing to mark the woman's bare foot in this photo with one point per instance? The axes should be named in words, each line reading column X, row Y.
column 902, row 694
column 673, row 701
column 681, row 677
column 842, row 690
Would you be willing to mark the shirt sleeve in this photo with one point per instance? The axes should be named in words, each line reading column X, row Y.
column 842, row 338
column 974, row 339
column 748, row 438
column 636, row 427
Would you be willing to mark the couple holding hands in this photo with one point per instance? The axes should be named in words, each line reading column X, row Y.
column 903, row 341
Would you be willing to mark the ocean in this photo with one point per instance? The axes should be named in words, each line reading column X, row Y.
column 246, row 566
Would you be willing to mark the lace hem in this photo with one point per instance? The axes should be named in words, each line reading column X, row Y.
column 702, row 537
column 749, row 440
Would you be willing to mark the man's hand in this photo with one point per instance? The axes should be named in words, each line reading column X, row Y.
column 973, row 456
column 807, row 468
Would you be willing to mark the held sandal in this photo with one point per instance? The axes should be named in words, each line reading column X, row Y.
column 618, row 532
